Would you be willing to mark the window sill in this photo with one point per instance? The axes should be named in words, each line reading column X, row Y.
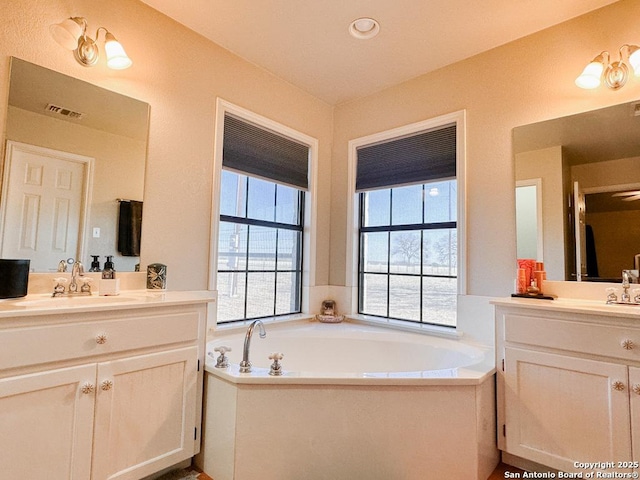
column 426, row 329
column 242, row 325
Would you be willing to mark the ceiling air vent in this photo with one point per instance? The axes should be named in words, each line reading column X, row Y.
column 65, row 112
column 636, row 109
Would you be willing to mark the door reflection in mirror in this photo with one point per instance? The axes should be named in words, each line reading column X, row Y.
column 529, row 219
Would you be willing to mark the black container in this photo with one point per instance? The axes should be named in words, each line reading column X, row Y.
column 14, row 278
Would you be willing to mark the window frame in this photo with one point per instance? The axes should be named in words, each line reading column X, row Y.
column 309, row 206
column 352, row 279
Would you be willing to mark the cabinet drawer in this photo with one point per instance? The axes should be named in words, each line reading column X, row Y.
column 41, row 344
column 575, row 336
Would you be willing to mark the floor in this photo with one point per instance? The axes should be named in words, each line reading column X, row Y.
column 192, row 474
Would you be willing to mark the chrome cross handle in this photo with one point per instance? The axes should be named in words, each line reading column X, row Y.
column 222, row 361
column 276, row 367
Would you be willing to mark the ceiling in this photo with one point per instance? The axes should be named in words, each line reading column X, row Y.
column 307, row 42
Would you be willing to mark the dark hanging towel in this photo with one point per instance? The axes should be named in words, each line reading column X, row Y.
column 129, row 228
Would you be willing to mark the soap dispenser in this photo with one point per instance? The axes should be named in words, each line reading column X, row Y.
column 95, row 264
column 109, row 284
column 109, row 270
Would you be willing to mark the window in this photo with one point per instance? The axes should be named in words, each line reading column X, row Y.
column 408, row 236
column 408, row 253
column 260, row 233
column 259, row 248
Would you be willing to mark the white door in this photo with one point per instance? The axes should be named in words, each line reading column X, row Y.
column 43, row 205
column 145, row 414
column 579, row 212
column 46, row 424
column 560, row 409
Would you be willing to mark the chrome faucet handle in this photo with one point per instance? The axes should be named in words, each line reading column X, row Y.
column 636, row 295
column 222, row 361
column 59, row 286
column 276, row 367
column 612, row 296
column 86, row 284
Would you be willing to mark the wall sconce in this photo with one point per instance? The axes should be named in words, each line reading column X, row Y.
column 615, row 74
column 72, row 35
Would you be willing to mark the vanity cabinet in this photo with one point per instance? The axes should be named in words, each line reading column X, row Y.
column 96, row 396
column 568, row 384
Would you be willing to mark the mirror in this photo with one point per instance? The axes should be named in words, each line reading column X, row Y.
column 73, row 171
column 586, row 167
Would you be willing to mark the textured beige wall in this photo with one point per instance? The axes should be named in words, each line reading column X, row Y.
column 179, row 74
column 525, row 81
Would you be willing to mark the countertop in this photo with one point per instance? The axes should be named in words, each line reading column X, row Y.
column 568, row 305
column 45, row 304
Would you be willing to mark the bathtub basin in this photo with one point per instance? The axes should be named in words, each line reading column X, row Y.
column 351, row 353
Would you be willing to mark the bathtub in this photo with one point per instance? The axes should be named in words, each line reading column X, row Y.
column 354, row 402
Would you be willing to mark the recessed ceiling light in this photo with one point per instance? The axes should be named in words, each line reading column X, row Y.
column 364, row 28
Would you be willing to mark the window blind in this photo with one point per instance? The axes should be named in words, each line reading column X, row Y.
column 417, row 158
column 263, row 153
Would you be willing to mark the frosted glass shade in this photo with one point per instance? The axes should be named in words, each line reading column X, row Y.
column 634, row 60
column 67, row 32
column 590, row 76
column 116, row 56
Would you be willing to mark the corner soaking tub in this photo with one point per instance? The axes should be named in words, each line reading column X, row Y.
column 354, row 401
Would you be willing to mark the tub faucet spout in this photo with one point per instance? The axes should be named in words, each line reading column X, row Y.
column 245, row 364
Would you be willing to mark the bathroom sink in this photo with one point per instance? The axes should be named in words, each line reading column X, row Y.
column 48, row 301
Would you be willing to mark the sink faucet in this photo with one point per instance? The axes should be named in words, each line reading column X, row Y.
column 76, row 271
column 628, row 277
column 245, row 364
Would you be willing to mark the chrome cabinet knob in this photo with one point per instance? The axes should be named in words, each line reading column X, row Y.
column 88, row 388
column 636, row 389
column 618, row 385
column 101, row 339
column 627, row 344
column 106, row 385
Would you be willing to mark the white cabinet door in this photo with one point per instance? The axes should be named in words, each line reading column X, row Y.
column 46, row 424
column 560, row 410
column 145, row 414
